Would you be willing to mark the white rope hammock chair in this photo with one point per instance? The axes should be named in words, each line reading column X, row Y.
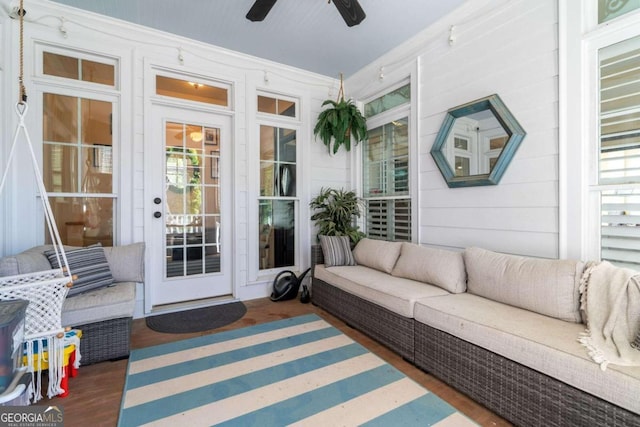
column 44, row 290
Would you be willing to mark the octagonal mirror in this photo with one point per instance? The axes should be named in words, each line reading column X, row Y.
column 476, row 143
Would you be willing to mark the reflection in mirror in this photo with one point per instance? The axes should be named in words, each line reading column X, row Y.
column 476, row 143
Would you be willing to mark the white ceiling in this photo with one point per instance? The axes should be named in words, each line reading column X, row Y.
column 308, row 34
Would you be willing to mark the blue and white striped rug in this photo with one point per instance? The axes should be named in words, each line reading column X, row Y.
column 298, row 371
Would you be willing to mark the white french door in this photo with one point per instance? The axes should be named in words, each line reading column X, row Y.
column 188, row 219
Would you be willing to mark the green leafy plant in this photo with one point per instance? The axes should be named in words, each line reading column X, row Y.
column 340, row 123
column 335, row 212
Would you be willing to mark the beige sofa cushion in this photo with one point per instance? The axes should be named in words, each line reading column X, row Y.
column 112, row 302
column 539, row 342
column 442, row 268
column 549, row 287
column 377, row 254
column 393, row 293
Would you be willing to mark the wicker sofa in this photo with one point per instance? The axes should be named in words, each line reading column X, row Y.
column 453, row 314
column 104, row 315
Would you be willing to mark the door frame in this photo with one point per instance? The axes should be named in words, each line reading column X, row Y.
column 151, row 101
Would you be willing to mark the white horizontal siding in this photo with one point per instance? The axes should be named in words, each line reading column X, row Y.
column 513, row 54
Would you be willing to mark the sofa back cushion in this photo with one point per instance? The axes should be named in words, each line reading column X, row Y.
column 439, row 267
column 377, row 254
column 23, row 263
column 545, row 286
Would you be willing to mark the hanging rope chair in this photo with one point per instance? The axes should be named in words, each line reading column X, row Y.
column 44, row 290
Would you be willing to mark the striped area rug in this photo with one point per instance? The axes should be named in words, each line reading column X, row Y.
column 299, row 371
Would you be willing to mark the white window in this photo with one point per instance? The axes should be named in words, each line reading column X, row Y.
column 385, row 166
column 79, row 103
column 617, row 185
column 278, row 199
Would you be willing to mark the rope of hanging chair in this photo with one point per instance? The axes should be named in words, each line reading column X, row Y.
column 23, row 90
column 21, row 110
column 46, row 290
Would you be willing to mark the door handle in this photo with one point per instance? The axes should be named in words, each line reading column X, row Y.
column 157, row 200
column 157, row 214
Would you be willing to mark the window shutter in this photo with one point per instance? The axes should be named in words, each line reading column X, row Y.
column 619, row 165
column 389, row 219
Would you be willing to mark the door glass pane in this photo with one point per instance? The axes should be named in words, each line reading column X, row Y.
column 192, row 199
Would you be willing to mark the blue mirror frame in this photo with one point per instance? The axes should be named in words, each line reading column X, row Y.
column 509, row 123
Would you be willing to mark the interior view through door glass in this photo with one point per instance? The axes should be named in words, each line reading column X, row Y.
column 192, row 199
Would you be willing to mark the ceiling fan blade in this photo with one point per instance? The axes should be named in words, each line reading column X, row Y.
column 260, row 9
column 351, row 11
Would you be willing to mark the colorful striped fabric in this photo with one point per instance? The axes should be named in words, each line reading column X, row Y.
column 298, row 371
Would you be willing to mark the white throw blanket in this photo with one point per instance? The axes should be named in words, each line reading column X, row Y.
column 611, row 302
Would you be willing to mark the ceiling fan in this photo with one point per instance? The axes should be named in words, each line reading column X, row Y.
column 350, row 10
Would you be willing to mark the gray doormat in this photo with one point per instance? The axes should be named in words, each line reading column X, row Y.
column 197, row 320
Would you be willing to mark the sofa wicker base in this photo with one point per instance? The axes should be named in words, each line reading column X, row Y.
column 387, row 327
column 106, row 340
column 519, row 394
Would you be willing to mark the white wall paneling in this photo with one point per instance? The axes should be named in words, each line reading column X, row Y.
column 508, row 48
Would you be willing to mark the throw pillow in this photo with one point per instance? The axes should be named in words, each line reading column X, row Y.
column 88, row 264
column 377, row 254
column 336, row 250
column 126, row 262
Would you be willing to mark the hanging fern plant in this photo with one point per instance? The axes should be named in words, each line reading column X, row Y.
column 340, row 123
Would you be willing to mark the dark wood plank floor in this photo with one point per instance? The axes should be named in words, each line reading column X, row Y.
column 95, row 394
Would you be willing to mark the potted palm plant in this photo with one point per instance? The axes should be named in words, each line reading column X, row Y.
column 339, row 123
column 335, row 213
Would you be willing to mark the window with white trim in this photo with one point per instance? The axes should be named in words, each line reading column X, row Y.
column 278, row 199
column 385, row 166
column 79, row 102
column 618, row 181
